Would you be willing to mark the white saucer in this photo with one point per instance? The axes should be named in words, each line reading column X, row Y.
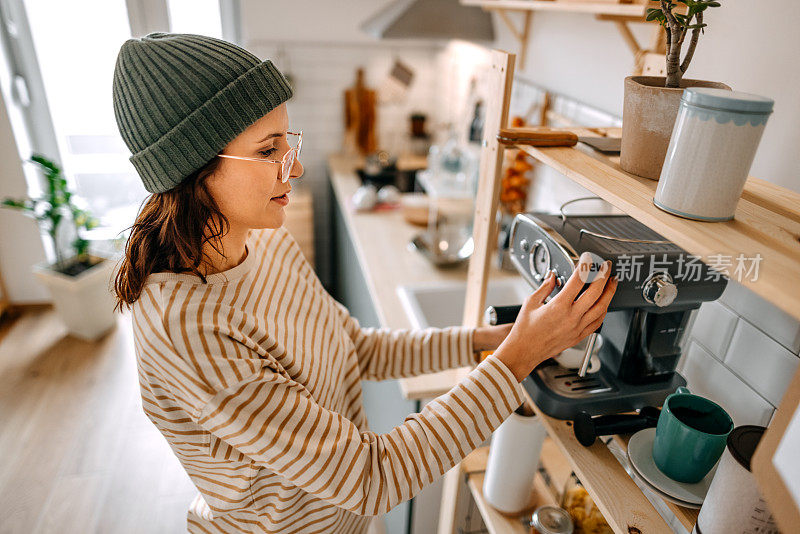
column 657, row 491
column 640, row 454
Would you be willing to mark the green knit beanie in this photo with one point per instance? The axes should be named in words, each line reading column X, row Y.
column 180, row 98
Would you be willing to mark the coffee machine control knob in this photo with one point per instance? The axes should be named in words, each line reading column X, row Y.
column 659, row 290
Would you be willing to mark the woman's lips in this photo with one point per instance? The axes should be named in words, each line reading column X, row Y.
column 281, row 199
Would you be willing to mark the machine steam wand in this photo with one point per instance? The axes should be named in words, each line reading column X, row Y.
column 587, row 357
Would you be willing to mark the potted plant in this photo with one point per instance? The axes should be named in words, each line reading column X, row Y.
column 79, row 282
column 651, row 102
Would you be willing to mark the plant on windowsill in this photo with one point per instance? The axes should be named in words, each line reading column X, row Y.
column 78, row 282
column 651, row 102
column 53, row 208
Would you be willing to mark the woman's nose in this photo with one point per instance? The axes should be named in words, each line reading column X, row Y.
column 297, row 169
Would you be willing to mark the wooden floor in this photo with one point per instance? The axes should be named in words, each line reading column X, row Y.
column 77, row 454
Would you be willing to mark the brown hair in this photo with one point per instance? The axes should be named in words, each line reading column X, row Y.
column 169, row 234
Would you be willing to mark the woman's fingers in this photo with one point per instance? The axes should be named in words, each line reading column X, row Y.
column 537, row 297
column 595, row 289
column 575, row 282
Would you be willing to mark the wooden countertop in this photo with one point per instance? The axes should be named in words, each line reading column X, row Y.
column 381, row 240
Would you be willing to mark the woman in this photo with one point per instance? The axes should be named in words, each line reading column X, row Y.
column 247, row 366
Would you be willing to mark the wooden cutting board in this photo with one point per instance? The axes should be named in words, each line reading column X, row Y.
column 360, row 118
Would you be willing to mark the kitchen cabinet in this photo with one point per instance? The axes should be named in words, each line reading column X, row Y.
column 383, row 401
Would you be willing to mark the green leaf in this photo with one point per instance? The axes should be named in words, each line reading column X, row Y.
column 698, row 26
column 57, row 203
column 654, row 14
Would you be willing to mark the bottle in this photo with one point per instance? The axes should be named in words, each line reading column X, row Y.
column 476, row 126
column 513, row 461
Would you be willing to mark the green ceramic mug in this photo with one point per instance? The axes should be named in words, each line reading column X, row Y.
column 691, row 435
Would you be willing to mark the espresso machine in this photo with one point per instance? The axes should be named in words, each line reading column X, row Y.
column 659, row 285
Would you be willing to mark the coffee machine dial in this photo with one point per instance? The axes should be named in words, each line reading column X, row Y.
column 539, row 260
column 658, row 289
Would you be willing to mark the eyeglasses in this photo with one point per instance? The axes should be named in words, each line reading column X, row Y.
column 286, row 163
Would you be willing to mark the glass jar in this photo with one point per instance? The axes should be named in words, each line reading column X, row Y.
column 551, row 520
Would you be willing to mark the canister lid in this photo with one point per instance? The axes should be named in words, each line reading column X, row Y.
column 727, row 100
column 742, row 443
column 552, row 520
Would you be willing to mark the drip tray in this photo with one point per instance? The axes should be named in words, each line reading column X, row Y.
column 567, row 383
column 562, row 394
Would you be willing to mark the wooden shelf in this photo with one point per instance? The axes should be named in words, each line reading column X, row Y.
column 596, row 464
column 767, row 219
column 686, row 516
column 614, row 492
column 767, row 222
column 593, row 8
column 474, row 466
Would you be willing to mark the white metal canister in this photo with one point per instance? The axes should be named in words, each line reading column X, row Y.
column 733, row 504
column 712, row 147
column 513, row 461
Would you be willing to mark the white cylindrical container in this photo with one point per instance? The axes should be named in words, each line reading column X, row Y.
column 733, row 503
column 710, row 153
column 513, row 461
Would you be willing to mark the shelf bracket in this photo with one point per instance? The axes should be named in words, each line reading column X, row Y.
column 648, row 60
column 521, row 35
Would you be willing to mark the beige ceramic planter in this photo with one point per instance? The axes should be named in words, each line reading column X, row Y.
column 85, row 302
column 648, row 116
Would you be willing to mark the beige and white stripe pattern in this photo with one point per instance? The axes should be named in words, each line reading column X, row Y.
column 254, row 380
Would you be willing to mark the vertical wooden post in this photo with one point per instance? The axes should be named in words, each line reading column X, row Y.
column 484, row 233
column 484, row 230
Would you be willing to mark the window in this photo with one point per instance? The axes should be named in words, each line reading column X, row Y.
column 76, row 57
column 76, row 45
column 195, row 16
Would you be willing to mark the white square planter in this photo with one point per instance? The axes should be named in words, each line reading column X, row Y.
column 85, row 302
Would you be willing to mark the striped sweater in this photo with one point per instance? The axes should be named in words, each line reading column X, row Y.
column 254, row 378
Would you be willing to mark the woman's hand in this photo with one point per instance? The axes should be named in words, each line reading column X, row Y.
column 542, row 331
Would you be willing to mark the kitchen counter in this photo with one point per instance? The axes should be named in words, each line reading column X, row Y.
column 381, row 239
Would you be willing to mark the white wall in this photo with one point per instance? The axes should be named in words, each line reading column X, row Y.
column 753, row 47
column 308, row 20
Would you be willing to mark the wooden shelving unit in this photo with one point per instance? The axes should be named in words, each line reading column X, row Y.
column 767, row 222
column 559, row 458
column 614, row 492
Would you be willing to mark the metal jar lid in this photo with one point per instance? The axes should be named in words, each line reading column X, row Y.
column 724, row 100
column 551, row 520
column 742, row 443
